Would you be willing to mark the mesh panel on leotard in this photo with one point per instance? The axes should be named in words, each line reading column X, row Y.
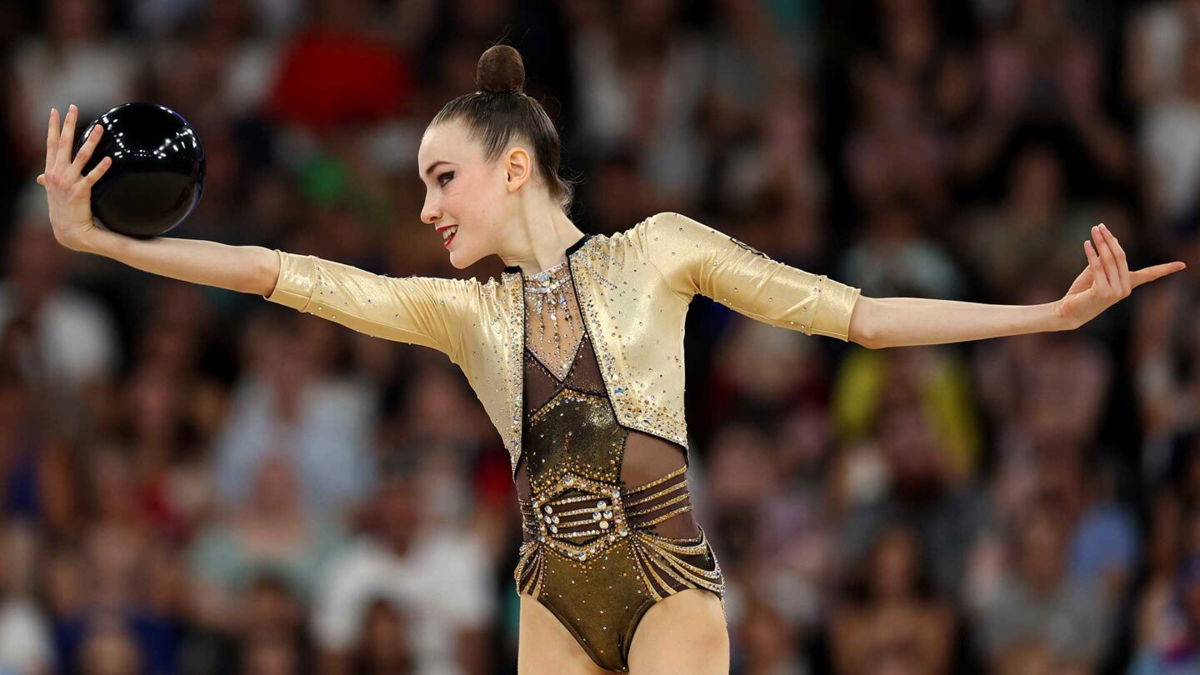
column 559, row 356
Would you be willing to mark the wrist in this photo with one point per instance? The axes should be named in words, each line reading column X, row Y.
column 1061, row 321
column 96, row 240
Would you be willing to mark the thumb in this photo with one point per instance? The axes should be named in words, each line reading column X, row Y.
column 1153, row 272
column 41, row 179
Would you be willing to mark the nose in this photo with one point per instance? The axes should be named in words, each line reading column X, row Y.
column 431, row 211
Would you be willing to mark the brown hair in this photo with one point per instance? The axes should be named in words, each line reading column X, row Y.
column 501, row 110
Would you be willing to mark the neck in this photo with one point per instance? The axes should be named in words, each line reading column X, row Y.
column 540, row 241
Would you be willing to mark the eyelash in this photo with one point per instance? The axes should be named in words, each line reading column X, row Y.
column 441, row 176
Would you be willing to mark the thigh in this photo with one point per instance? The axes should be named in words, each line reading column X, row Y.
column 546, row 647
column 682, row 633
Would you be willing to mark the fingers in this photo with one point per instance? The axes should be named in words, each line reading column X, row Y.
column 1098, row 279
column 52, row 139
column 68, row 133
column 97, row 171
column 1154, row 272
column 1118, row 254
column 1107, row 263
column 41, row 179
column 89, row 145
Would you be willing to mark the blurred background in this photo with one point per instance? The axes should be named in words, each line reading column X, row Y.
column 196, row 481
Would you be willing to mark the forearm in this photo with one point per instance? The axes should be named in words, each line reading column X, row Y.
column 902, row 322
column 246, row 269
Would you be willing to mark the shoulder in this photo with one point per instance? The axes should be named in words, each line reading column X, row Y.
column 664, row 219
column 469, row 292
column 667, row 240
column 657, row 228
column 672, row 224
column 671, row 235
column 492, row 289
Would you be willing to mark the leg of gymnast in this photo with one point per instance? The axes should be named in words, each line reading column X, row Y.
column 545, row 647
column 683, row 633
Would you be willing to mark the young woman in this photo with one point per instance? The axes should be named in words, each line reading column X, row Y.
column 577, row 356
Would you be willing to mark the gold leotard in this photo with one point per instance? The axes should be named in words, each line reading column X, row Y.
column 606, row 520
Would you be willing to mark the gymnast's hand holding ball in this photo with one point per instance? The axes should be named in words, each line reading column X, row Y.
column 137, row 170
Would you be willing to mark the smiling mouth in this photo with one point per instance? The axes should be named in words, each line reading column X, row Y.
column 449, row 239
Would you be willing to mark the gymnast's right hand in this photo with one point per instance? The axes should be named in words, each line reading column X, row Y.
column 68, row 192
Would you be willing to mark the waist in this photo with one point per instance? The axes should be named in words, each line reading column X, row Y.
column 578, row 516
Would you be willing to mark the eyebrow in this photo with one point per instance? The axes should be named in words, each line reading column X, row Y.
column 433, row 166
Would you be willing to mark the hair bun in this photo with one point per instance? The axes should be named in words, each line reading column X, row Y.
column 500, row 70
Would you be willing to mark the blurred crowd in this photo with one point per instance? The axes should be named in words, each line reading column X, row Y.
column 196, row 481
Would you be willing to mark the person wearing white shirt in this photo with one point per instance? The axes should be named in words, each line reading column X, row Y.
column 438, row 577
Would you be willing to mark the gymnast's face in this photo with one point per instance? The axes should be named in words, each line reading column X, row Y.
column 464, row 194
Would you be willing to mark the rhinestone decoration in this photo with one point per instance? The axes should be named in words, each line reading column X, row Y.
column 549, row 289
column 601, row 310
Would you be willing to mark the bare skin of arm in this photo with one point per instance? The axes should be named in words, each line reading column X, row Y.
column 902, row 322
column 247, row 269
column 899, row 322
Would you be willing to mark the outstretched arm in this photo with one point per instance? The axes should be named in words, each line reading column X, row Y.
column 903, row 322
column 900, row 322
column 248, row 269
column 428, row 311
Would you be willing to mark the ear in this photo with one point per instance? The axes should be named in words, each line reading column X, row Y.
column 518, row 168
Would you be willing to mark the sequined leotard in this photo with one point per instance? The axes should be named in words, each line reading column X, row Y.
column 606, row 518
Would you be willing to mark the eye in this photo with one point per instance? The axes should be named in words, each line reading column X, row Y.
column 443, row 175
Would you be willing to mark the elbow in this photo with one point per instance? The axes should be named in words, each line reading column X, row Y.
column 267, row 276
column 864, row 341
column 862, row 330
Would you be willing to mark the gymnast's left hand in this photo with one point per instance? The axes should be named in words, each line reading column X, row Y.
column 1106, row 279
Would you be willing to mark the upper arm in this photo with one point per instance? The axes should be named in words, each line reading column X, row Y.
column 427, row 311
column 696, row 259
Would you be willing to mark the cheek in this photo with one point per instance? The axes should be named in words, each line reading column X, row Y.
column 460, row 198
column 471, row 203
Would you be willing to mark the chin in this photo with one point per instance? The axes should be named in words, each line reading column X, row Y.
column 461, row 260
